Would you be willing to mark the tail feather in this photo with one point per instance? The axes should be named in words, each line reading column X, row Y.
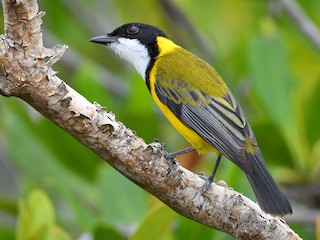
column 269, row 196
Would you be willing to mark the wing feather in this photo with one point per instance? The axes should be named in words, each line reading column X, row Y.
column 220, row 121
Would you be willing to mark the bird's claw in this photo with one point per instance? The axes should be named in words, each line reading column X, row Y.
column 207, row 184
column 202, row 175
column 172, row 164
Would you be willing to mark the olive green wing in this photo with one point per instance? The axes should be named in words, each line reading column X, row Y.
column 218, row 120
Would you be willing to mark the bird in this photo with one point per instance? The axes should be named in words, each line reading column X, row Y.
column 197, row 102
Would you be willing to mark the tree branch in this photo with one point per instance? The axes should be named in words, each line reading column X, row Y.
column 26, row 73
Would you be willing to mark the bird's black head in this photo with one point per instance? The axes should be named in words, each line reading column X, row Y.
column 146, row 34
column 135, row 42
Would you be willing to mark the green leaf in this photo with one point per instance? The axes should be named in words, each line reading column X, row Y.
column 59, row 233
column 273, row 83
column 6, row 232
column 8, row 206
column 312, row 114
column 273, row 145
column 156, row 225
column 104, row 230
column 271, row 77
column 37, row 219
column 86, row 76
column 315, row 156
column 36, row 215
column 189, row 230
column 35, row 150
column 120, row 199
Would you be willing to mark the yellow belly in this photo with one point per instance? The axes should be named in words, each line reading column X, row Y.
column 191, row 136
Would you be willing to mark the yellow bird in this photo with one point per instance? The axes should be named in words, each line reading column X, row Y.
column 198, row 103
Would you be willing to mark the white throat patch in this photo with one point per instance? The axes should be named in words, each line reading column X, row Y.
column 134, row 52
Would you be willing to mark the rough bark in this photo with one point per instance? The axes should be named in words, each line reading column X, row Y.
column 26, row 73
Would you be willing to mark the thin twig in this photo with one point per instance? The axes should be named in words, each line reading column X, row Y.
column 305, row 24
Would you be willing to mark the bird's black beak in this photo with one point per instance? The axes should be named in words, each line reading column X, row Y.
column 104, row 39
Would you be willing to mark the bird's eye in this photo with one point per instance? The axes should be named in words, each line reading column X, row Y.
column 132, row 29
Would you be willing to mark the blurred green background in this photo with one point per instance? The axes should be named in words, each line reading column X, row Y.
column 52, row 187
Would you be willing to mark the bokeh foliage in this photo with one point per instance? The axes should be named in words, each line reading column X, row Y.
column 271, row 67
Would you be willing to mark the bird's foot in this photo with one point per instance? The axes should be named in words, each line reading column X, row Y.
column 210, row 179
column 207, row 184
column 172, row 163
column 203, row 176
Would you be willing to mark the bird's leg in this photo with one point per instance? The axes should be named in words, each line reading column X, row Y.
column 210, row 179
column 178, row 153
column 170, row 156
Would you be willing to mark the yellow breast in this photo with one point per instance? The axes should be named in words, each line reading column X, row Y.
column 191, row 136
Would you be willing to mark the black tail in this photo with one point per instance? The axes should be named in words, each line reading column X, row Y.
column 269, row 196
